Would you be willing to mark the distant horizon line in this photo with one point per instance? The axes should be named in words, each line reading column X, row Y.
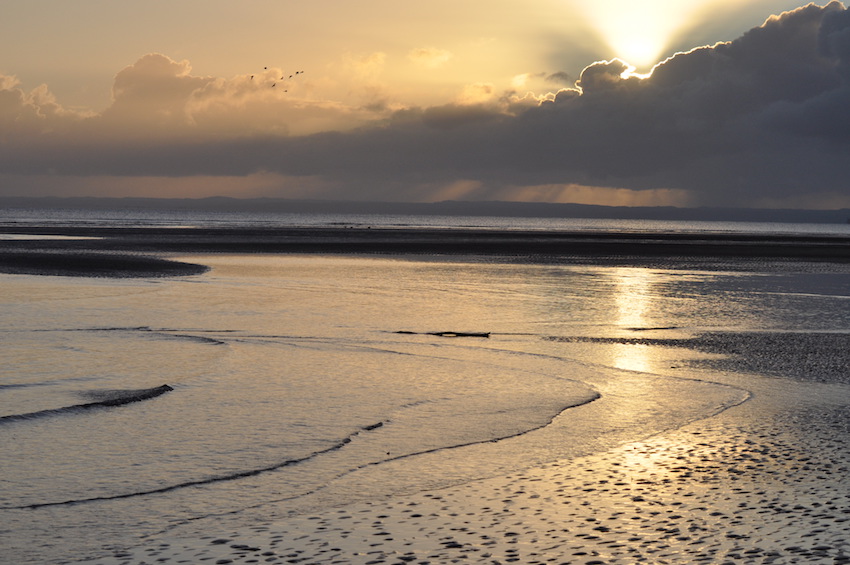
column 501, row 208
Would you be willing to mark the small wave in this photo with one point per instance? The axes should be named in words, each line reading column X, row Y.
column 164, row 333
column 194, row 338
column 447, row 333
column 95, row 329
column 103, row 399
column 21, row 385
column 590, row 397
column 118, row 329
column 200, row 482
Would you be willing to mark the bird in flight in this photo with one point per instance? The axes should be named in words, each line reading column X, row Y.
column 282, row 77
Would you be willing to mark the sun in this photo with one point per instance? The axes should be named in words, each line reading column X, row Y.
column 639, row 32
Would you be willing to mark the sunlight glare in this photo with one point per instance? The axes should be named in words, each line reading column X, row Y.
column 634, row 294
column 634, row 297
column 639, row 32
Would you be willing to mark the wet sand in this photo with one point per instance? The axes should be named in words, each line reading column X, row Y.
column 763, row 482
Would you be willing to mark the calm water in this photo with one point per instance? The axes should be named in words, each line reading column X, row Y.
column 291, row 388
column 182, row 218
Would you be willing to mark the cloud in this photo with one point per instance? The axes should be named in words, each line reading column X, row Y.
column 366, row 66
column 27, row 114
column 158, row 98
column 477, row 93
column 255, row 185
column 453, row 116
column 578, row 194
column 429, row 57
column 150, row 96
column 760, row 120
column 561, row 78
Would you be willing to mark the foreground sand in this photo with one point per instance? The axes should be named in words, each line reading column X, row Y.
column 764, row 482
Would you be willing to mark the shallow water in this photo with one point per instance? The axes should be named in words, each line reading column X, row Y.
column 292, row 388
column 128, row 217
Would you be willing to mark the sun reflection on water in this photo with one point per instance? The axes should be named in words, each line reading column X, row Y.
column 634, row 294
column 631, row 357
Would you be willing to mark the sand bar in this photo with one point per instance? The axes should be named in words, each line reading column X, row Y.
column 93, row 264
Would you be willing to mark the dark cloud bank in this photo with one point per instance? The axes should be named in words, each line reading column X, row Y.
column 763, row 120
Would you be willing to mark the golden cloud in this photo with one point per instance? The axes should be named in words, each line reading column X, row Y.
column 429, row 57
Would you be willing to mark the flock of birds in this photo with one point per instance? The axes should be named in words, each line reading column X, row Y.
column 284, row 77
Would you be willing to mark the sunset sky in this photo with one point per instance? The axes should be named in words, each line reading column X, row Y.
column 660, row 102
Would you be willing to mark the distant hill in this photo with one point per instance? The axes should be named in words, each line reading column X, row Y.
column 447, row 208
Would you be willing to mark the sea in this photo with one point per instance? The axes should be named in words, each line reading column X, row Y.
column 276, row 385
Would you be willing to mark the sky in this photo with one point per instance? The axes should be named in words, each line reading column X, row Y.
column 734, row 103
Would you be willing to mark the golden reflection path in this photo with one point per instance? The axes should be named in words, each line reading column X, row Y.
column 633, row 298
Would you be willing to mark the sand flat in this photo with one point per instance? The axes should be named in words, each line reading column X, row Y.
column 763, row 482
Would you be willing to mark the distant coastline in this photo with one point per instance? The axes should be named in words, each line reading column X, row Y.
column 445, row 208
